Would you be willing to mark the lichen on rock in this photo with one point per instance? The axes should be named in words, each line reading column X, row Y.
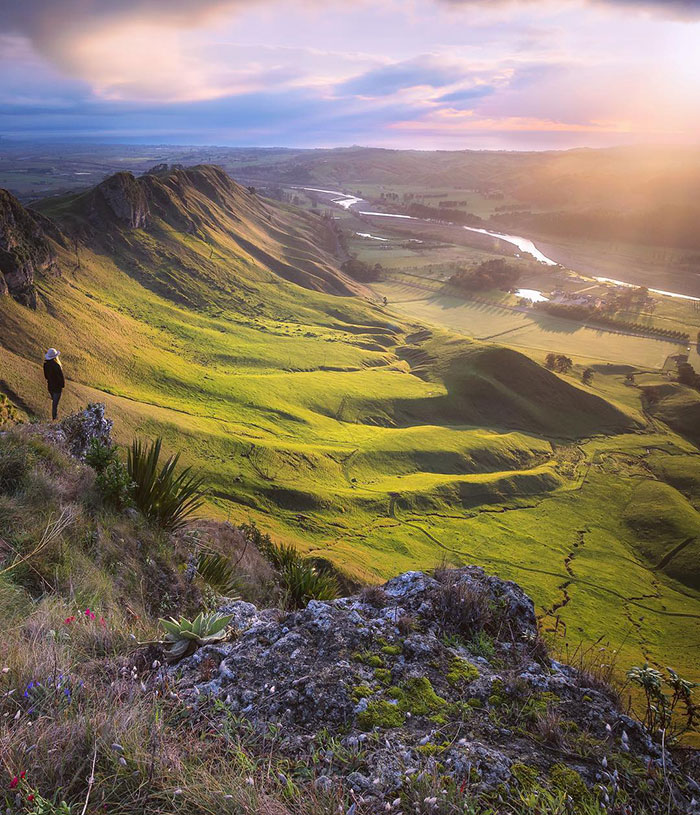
column 433, row 709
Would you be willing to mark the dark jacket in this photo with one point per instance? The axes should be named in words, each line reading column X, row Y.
column 53, row 373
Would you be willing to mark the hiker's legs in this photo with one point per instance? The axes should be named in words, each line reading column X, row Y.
column 55, row 399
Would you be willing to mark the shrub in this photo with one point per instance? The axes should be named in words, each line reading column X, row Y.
column 113, row 481
column 218, row 573
column 302, row 582
column 115, row 485
column 374, row 596
column 670, row 707
column 85, row 426
column 167, row 498
column 8, row 413
column 463, row 608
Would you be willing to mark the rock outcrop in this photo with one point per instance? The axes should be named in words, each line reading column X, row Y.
column 25, row 249
column 123, row 197
column 428, row 687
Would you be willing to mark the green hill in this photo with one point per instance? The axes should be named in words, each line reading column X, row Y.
column 200, row 312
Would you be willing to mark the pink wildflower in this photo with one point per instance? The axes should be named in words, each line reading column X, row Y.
column 14, row 782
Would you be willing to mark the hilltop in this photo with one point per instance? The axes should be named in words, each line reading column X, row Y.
column 201, row 312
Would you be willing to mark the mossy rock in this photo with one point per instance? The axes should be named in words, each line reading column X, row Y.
column 525, row 775
column 360, row 692
column 417, row 697
column 380, row 714
column 383, row 675
column 568, row 780
column 461, row 672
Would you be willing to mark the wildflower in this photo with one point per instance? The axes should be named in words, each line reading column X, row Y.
column 102, row 622
column 23, row 774
column 30, row 797
column 14, row 783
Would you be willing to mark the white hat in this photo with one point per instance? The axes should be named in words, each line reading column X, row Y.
column 52, row 353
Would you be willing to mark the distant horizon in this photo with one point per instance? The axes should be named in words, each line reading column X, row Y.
column 87, row 142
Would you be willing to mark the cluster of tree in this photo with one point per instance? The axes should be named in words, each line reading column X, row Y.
column 559, row 363
column 442, row 204
column 688, row 376
column 490, row 274
column 584, row 313
column 455, row 216
column 410, row 196
column 361, row 271
column 627, row 298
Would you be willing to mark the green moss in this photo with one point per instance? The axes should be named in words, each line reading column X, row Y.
column 475, row 702
column 569, row 781
column 525, row 775
column 380, row 714
column 392, row 650
column 430, row 749
column 461, row 672
column 360, row 692
column 368, row 658
column 383, row 675
column 417, row 697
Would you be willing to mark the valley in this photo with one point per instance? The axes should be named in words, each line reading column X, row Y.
column 381, row 438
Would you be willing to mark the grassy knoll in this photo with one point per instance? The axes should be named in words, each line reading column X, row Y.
column 358, row 435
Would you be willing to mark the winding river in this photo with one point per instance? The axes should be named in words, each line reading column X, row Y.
column 347, row 201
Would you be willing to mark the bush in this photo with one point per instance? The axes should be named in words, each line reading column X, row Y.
column 113, row 481
column 8, row 413
column 218, row 573
column 166, row 498
column 463, row 608
column 302, row 580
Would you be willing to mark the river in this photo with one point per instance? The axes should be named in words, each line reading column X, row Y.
column 347, row 201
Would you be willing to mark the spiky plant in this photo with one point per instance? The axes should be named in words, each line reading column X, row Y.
column 166, row 497
column 302, row 582
column 183, row 636
column 218, row 573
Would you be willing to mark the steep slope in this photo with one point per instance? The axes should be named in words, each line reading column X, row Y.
column 26, row 249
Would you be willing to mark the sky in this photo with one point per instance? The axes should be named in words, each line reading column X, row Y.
column 423, row 74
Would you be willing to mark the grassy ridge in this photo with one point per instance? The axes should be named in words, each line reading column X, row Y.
column 342, row 429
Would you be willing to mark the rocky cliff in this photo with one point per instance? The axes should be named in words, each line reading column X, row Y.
column 25, row 249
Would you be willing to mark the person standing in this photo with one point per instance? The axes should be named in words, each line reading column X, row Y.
column 53, row 373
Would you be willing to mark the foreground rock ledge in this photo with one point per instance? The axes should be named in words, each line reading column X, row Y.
column 437, row 684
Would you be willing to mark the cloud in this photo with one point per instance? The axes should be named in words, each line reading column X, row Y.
column 421, row 71
column 465, row 97
column 682, row 9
